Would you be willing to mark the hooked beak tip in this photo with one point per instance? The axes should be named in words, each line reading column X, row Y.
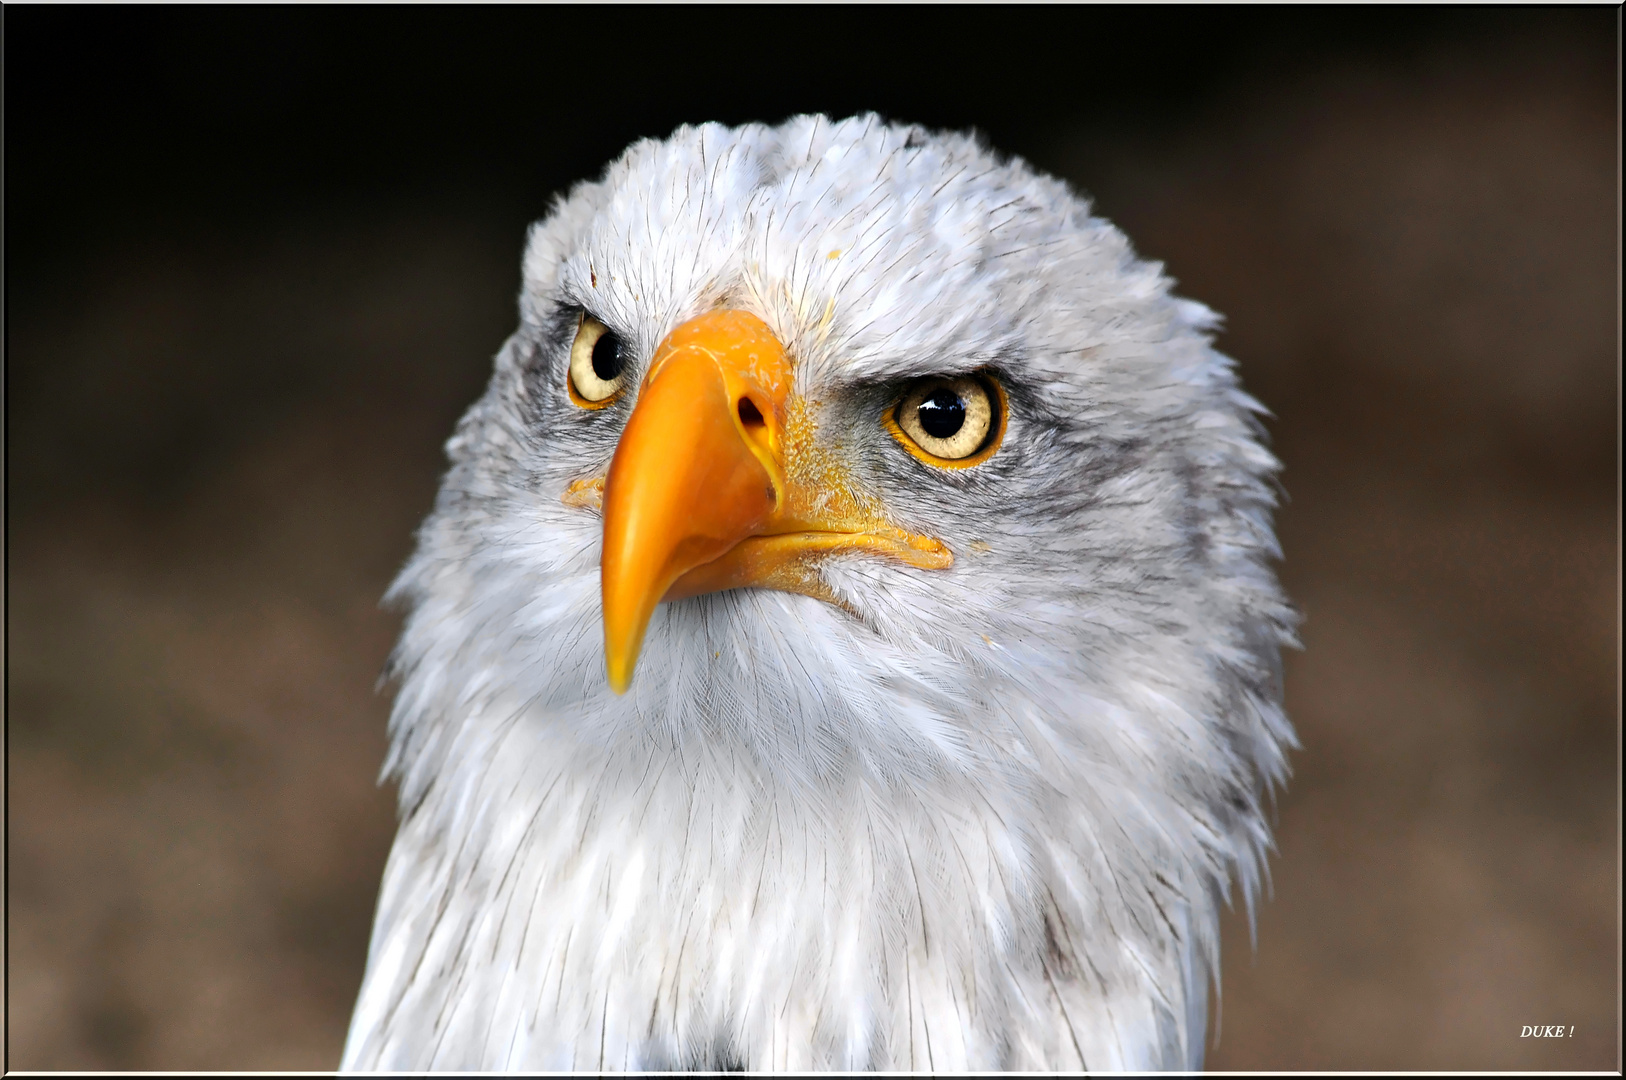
column 621, row 650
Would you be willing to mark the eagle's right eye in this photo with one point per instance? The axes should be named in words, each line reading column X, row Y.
column 597, row 365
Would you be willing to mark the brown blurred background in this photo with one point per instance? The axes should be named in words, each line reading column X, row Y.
column 258, row 262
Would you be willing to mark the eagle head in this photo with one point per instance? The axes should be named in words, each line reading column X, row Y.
column 846, row 636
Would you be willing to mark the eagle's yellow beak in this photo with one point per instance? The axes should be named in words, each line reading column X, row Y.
column 709, row 490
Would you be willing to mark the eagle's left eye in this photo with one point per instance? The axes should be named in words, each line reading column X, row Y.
column 597, row 365
column 951, row 423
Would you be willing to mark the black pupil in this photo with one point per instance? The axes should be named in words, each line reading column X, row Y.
column 607, row 356
column 942, row 413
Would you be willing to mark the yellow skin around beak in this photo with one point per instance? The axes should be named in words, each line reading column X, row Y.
column 717, row 484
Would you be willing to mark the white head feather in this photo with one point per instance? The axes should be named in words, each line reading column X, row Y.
column 984, row 817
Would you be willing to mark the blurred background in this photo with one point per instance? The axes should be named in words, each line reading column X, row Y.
column 258, row 262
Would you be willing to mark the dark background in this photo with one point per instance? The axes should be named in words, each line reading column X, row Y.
column 257, row 262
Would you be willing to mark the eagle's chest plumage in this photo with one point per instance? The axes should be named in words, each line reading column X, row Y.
column 562, row 907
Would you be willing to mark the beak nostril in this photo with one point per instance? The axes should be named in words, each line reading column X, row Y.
column 750, row 415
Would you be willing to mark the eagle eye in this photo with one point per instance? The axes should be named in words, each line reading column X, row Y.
column 950, row 422
column 598, row 364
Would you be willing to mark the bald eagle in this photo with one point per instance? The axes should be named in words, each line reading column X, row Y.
column 846, row 637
